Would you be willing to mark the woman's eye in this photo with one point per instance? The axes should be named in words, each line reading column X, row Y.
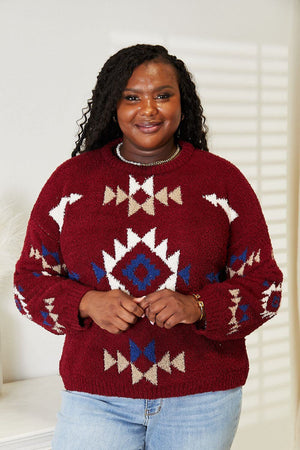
column 131, row 98
column 163, row 96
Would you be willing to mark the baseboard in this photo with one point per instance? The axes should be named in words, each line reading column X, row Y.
column 38, row 441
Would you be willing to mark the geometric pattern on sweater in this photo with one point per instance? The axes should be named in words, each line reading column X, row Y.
column 240, row 262
column 49, row 314
column 42, row 255
column 239, row 236
column 74, row 276
column 236, row 299
column 21, row 302
column 148, row 351
column 58, row 212
column 99, row 273
column 144, row 202
column 223, row 202
column 271, row 297
column 130, row 263
column 150, row 272
column 185, row 274
column 151, row 373
column 214, row 277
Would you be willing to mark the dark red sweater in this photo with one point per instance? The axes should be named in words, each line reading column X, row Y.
column 192, row 225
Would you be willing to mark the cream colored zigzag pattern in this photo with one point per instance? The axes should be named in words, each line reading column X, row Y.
column 34, row 253
column 266, row 296
column 162, row 196
column 22, row 301
column 49, row 305
column 147, row 206
column 253, row 258
column 147, row 187
column 236, row 300
column 150, row 375
column 176, row 195
column 109, row 195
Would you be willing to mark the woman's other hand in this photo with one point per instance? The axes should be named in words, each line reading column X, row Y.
column 113, row 311
column 167, row 308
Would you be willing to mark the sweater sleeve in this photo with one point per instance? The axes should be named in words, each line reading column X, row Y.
column 251, row 292
column 44, row 290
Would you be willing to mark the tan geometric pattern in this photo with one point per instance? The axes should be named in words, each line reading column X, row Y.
column 49, row 306
column 266, row 296
column 253, row 258
column 34, row 253
column 148, row 206
column 235, row 293
column 22, row 301
column 166, row 364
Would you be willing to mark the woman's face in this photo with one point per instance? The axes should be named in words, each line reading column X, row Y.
column 149, row 111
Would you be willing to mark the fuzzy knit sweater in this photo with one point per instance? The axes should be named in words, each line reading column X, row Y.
column 193, row 225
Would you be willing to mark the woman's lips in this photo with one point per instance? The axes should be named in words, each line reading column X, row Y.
column 149, row 128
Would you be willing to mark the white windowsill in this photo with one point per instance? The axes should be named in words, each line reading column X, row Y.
column 28, row 411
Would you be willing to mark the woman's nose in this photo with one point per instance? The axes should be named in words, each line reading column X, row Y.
column 148, row 107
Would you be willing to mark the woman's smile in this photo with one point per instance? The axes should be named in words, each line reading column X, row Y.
column 149, row 127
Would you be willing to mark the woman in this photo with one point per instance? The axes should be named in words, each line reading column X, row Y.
column 153, row 257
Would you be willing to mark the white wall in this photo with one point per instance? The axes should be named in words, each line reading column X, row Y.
column 51, row 52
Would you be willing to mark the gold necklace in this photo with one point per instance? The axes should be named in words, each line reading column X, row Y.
column 136, row 163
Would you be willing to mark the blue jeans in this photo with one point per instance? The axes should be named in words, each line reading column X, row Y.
column 203, row 421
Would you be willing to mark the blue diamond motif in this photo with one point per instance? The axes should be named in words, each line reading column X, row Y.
column 129, row 272
column 136, row 352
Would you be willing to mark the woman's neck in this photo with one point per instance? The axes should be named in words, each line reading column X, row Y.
column 147, row 155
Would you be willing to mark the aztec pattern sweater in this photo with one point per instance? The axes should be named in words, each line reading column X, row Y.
column 193, row 225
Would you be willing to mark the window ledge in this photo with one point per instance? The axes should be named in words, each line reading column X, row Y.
column 28, row 411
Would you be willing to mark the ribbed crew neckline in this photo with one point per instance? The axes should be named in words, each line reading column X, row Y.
column 111, row 158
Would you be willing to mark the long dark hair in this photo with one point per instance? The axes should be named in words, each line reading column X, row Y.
column 98, row 123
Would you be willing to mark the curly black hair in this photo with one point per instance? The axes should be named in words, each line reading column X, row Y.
column 98, row 123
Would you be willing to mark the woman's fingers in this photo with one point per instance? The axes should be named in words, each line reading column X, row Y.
column 132, row 307
column 127, row 317
column 167, row 308
column 163, row 316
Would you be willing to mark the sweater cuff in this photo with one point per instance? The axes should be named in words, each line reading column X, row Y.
column 72, row 301
column 213, row 317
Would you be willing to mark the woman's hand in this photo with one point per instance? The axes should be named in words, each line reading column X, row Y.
column 167, row 308
column 113, row 311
